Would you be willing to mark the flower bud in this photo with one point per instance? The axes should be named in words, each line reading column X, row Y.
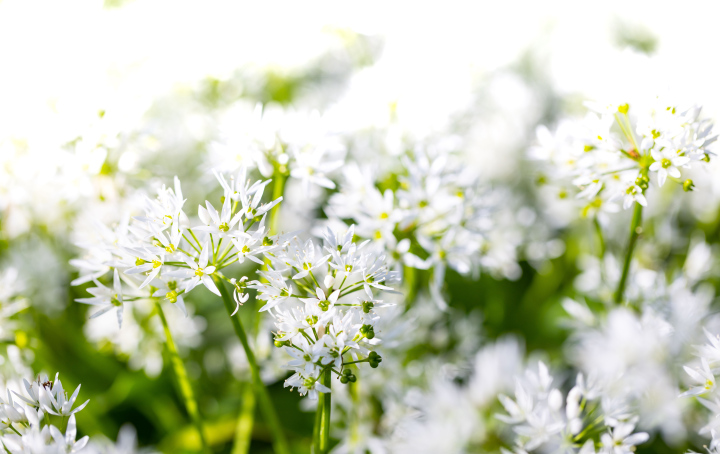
column 688, row 185
column 555, row 399
column 329, row 281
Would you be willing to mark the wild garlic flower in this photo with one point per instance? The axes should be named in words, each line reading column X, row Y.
column 158, row 255
column 612, row 157
column 434, row 218
column 25, row 425
column 546, row 421
column 703, row 385
column 325, row 306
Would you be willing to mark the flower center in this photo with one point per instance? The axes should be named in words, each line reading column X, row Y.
column 156, row 263
column 665, row 163
column 199, row 272
column 224, row 227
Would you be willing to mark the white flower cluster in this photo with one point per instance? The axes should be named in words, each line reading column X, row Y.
column 325, row 310
column 704, row 386
column 435, row 217
column 607, row 167
column 31, row 422
column 545, row 421
column 158, row 258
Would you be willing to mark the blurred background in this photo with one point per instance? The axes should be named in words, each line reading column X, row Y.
column 104, row 101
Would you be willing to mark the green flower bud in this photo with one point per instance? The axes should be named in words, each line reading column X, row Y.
column 688, row 185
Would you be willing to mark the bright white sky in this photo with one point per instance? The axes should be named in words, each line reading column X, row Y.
column 62, row 61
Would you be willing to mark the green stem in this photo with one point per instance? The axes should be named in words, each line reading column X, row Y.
column 318, row 424
column 635, row 231
column 182, row 378
column 601, row 238
column 324, row 435
column 266, row 406
column 243, row 430
column 190, row 243
column 278, row 189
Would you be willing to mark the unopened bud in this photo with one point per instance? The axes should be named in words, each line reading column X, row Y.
column 688, row 185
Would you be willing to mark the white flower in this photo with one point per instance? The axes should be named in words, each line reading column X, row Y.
column 704, row 376
column 324, row 303
column 621, row 440
column 57, row 402
column 306, row 385
column 218, row 224
column 666, row 163
column 311, row 167
column 633, row 194
column 199, row 272
column 67, row 441
column 152, row 265
column 106, row 298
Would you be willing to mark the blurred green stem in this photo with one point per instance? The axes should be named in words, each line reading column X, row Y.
column 278, row 189
column 182, row 378
column 410, row 280
column 601, row 238
column 243, row 431
column 635, row 231
column 261, row 393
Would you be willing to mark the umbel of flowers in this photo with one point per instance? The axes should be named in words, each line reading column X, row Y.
column 323, row 299
column 324, row 302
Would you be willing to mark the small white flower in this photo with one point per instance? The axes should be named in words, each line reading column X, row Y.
column 621, row 440
column 199, row 272
column 703, row 376
column 106, row 298
column 666, row 163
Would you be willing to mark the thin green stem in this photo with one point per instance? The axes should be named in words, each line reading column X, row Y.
column 14, row 429
column 356, row 362
column 225, row 252
column 635, row 230
column 266, row 406
column 601, row 238
column 190, row 243
column 212, row 248
column 195, row 238
column 182, row 378
column 313, row 278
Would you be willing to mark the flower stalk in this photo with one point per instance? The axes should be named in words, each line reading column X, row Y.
column 322, row 417
column 635, row 230
column 182, row 378
column 263, row 398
